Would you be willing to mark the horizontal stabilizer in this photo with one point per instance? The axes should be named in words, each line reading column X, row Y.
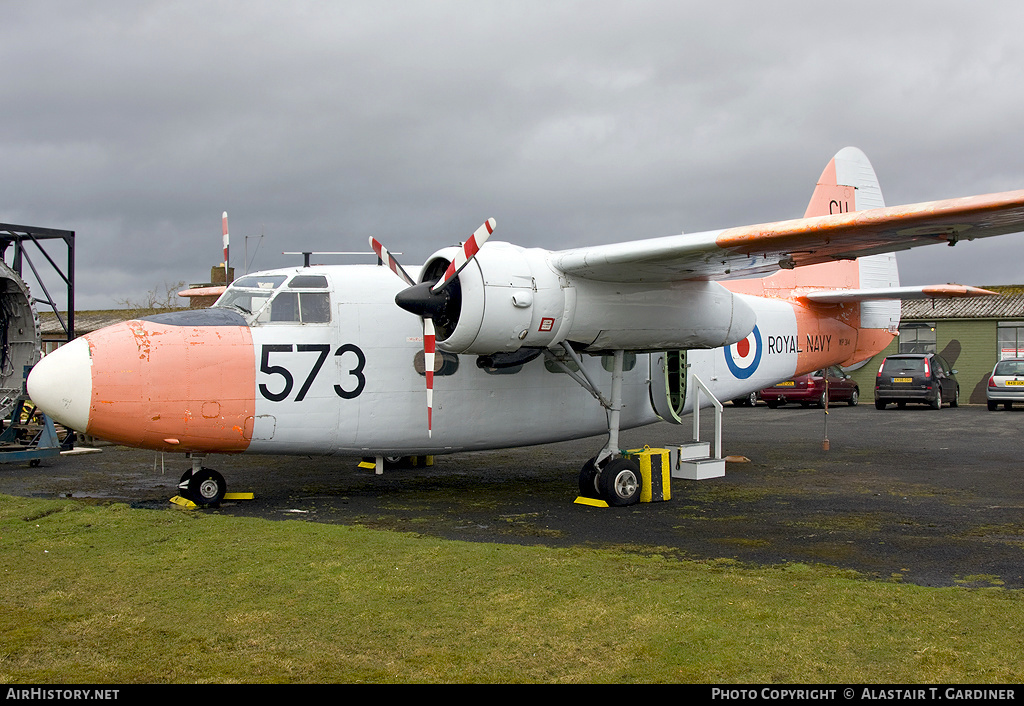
column 930, row 291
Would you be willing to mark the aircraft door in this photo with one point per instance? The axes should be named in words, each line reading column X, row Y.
column 668, row 384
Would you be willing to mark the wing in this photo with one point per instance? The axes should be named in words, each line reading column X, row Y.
column 756, row 250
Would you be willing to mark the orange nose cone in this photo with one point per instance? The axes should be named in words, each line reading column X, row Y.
column 154, row 382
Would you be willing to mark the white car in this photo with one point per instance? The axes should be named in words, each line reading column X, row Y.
column 1006, row 384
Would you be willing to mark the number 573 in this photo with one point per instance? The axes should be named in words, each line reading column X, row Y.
column 322, row 350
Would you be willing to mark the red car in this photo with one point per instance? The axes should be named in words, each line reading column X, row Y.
column 810, row 389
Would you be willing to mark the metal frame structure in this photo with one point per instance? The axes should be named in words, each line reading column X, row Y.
column 19, row 237
column 45, row 442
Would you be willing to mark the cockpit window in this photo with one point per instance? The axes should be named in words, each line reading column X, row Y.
column 308, row 282
column 252, row 293
column 299, row 307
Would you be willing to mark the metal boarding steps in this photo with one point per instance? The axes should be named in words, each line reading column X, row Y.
column 693, row 460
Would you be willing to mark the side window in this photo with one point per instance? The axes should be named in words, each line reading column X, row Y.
column 315, row 307
column 300, row 307
column 552, row 367
column 285, row 307
column 628, row 361
column 444, row 363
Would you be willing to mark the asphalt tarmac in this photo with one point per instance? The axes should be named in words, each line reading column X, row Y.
column 931, row 497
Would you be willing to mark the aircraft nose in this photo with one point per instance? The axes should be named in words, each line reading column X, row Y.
column 61, row 384
column 181, row 381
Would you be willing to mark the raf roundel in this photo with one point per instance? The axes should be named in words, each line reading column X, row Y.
column 744, row 356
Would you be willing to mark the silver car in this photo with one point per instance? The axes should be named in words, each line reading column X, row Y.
column 1006, row 384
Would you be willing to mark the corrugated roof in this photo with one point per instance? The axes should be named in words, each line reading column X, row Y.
column 1008, row 306
column 88, row 321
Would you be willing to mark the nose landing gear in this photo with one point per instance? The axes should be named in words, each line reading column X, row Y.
column 203, row 486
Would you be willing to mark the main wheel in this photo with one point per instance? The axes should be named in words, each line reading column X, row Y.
column 206, row 487
column 854, row 397
column 620, row 482
column 956, row 398
column 588, row 480
column 937, row 402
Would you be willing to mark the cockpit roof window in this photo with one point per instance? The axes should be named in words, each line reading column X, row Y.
column 259, row 282
column 308, row 282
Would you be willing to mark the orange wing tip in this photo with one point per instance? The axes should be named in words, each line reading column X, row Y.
column 945, row 291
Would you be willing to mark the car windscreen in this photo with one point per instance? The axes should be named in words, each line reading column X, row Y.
column 903, row 365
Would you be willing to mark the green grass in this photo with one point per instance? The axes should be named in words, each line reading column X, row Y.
column 108, row 594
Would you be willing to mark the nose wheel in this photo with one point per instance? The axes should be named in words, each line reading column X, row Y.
column 203, row 486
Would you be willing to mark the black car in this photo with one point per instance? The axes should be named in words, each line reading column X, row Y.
column 923, row 378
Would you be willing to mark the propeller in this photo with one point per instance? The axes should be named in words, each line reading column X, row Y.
column 429, row 300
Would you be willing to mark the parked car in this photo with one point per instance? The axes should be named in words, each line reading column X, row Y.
column 810, row 389
column 919, row 377
column 1006, row 384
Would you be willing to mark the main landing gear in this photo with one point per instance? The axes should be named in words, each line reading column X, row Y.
column 608, row 476
column 203, row 486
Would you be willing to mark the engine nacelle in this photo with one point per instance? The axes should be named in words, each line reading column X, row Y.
column 510, row 297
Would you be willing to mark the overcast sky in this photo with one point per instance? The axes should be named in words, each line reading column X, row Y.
column 318, row 124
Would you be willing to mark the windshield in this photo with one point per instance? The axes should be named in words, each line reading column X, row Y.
column 250, row 294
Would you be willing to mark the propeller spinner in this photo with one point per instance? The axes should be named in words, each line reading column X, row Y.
column 430, row 300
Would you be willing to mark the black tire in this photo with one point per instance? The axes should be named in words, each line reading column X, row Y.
column 823, row 400
column 206, row 487
column 748, row 401
column 992, row 406
column 620, row 482
column 854, row 398
column 937, row 402
column 956, row 398
column 879, row 404
column 588, row 480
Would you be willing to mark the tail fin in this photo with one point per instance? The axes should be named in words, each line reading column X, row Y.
column 848, row 183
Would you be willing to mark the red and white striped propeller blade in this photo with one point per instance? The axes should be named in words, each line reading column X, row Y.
column 429, row 348
column 429, row 335
column 469, row 249
column 392, row 263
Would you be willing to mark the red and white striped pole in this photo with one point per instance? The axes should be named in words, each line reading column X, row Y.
column 224, row 223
